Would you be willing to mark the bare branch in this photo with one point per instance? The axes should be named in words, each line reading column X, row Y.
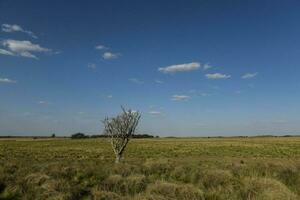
column 120, row 129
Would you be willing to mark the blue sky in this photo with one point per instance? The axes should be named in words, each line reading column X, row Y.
column 192, row 68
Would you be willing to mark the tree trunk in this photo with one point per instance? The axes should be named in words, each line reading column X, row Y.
column 118, row 158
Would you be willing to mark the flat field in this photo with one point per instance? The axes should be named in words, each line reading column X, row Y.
column 261, row 168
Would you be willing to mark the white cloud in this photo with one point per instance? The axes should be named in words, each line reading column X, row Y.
column 22, row 48
column 180, row 68
column 9, row 28
column 217, row 76
column 159, row 82
column 180, row 98
column 7, row 80
column 109, row 96
column 101, row 47
column 27, row 54
column 249, row 75
column 5, row 52
column 135, row 80
column 110, row 55
column 206, row 66
column 153, row 112
column 92, row 66
column 43, row 102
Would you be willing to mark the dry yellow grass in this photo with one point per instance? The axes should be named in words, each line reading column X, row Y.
column 154, row 169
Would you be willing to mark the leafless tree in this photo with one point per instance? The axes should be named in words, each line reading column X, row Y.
column 120, row 129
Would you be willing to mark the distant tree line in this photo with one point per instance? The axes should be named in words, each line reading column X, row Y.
column 83, row 136
column 79, row 136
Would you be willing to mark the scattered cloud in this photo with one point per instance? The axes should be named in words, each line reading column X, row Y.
column 7, row 80
column 110, row 55
column 158, row 81
column 107, row 55
column 92, row 66
column 180, row 68
column 206, row 66
column 180, row 98
column 43, row 102
column 9, row 28
column 135, row 80
column 217, row 76
column 109, row 96
column 101, row 47
column 249, row 75
column 22, row 48
column 154, row 112
column 7, row 53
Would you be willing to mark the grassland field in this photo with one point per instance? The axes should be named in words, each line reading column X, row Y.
column 261, row 168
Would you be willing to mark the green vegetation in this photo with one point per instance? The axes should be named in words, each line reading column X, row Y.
column 262, row 168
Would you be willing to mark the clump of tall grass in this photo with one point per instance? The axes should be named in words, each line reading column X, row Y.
column 175, row 191
column 216, row 178
column 265, row 189
column 98, row 194
column 131, row 185
column 10, row 193
column 114, row 183
column 287, row 173
column 41, row 186
column 158, row 167
column 186, row 174
column 135, row 184
column 218, row 184
column 151, row 197
column 125, row 169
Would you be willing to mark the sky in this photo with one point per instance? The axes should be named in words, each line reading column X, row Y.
column 192, row 68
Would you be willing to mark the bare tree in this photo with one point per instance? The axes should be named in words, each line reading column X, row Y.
column 120, row 129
